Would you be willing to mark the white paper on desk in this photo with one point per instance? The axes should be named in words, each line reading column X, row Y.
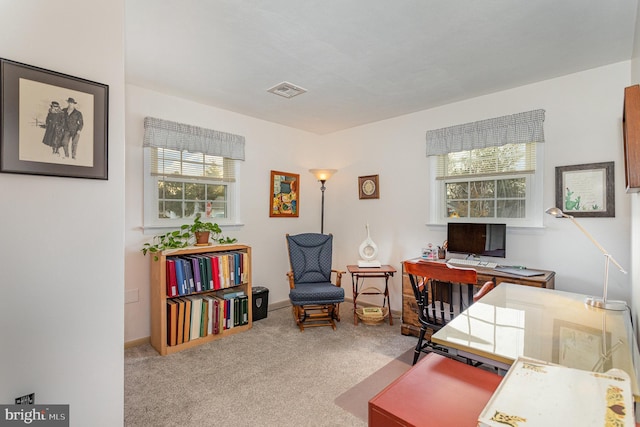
column 536, row 393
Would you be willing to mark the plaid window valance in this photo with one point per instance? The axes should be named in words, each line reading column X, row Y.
column 513, row 129
column 178, row 136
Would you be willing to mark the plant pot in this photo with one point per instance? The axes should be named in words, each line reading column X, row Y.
column 202, row 237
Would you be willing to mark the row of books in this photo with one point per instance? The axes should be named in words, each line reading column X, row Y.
column 196, row 316
column 188, row 274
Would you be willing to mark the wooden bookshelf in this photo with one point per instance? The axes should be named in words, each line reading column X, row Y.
column 159, row 296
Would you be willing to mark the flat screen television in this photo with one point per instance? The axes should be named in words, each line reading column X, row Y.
column 478, row 239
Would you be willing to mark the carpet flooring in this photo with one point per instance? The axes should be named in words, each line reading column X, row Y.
column 356, row 399
column 271, row 375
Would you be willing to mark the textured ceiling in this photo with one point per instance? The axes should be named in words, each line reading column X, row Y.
column 363, row 61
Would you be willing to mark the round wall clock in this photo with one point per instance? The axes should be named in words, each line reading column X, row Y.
column 368, row 187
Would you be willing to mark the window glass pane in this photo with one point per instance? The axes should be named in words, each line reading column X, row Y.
column 215, row 167
column 192, row 157
column 481, row 209
column 511, row 208
column 170, row 190
column 168, row 209
column 218, row 196
column 457, row 190
column 192, row 208
column 219, row 209
column 512, row 188
column 192, row 169
column 482, row 189
column 457, row 209
column 194, row 191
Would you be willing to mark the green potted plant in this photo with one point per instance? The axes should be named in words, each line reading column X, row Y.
column 204, row 230
column 199, row 233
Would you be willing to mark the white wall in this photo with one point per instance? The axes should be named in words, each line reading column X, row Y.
column 583, row 125
column 583, row 116
column 268, row 147
column 62, row 252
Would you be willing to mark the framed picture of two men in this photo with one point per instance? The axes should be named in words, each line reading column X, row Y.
column 52, row 123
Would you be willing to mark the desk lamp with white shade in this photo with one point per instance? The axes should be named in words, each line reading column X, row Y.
column 593, row 301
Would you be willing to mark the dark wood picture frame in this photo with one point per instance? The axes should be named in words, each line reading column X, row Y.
column 284, row 200
column 368, row 187
column 33, row 125
column 586, row 190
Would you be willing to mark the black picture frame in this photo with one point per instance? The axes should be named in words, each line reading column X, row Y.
column 28, row 95
column 586, row 190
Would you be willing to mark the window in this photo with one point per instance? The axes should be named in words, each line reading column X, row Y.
column 488, row 171
column 497, row 184
column 182, row 184
column 187, row 171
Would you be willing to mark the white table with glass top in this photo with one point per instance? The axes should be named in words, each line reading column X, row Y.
column 545, row 324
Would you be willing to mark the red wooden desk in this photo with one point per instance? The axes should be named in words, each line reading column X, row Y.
column 384, row 271
column 437, row 392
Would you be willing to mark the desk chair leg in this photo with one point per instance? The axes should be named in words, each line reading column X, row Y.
column 416, row 354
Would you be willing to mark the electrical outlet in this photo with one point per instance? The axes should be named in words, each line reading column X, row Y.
column 27, row 399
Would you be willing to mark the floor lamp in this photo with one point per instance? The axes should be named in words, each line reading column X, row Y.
column 322, row 175
column 593, row 301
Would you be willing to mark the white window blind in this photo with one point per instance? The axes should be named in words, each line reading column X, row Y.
column 173, row 163
column 502, row 160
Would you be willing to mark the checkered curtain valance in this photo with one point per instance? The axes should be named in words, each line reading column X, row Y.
column 178, row 136
column 513, row 129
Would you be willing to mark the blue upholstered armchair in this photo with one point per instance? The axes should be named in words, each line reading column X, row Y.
column 314, row 297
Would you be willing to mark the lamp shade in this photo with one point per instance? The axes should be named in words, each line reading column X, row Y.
column 556, row 212
column 323, row 174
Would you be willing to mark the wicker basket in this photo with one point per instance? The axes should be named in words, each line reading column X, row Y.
column 372, row 318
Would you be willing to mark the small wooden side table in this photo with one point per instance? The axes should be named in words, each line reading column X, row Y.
column 385, row 271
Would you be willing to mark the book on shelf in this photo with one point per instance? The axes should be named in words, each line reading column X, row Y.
column 205, row 275
column 244, row 309
column 180, row 279
column 188, row 274
column 187, row 319
column 195, row 268
column 215, row 273
column 196, row 316
column 245, row 266
column 231, row 294
column 180, row 334
column 172, row 284
column 210, row 314
column 218, row 315
column 204, row 319
column 172, row 323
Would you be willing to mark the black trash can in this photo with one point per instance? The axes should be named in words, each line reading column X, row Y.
column 260, row 297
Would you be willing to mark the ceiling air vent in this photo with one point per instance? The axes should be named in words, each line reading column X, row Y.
column 287, row 90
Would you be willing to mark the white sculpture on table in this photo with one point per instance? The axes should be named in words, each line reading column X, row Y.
column 368, row 252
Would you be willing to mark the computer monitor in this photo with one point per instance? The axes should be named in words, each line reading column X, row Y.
column 477, row 239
